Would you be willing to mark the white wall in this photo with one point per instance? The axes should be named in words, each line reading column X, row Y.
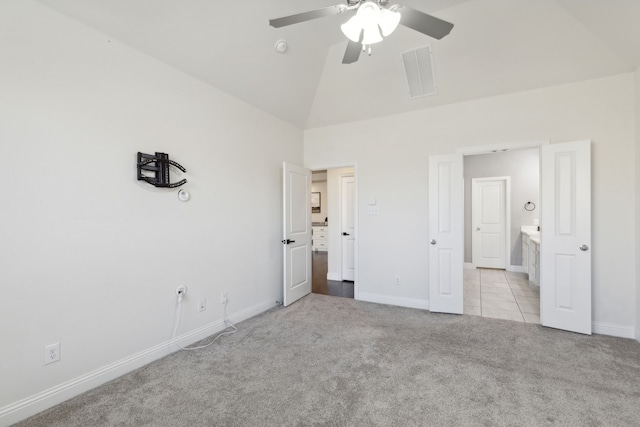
column 523, row 167
column 637, row 150
column 392, row 155
column 90, row 257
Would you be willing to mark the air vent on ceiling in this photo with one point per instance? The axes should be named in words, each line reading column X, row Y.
column 418, row 66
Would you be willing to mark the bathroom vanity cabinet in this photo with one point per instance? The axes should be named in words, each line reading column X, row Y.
column 531, row 252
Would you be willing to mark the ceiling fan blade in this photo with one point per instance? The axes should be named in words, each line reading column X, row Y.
column 307, row 16
column 352, row 54
column 424, row 23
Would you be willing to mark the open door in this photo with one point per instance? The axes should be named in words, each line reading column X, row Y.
column 565, row 236
column 297, row 232
column 446, row 233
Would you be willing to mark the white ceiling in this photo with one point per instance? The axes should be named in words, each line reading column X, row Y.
column 496, row 47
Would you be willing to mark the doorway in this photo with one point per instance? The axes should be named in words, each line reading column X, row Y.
column 497, row 187
column 334, row 261
column 564, row 239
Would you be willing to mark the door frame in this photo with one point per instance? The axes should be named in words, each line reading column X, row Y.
column 487, row 149
column 338, row 221
column 507, row 217
column 495, row 148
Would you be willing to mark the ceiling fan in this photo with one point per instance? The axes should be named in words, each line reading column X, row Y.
column 373, row 20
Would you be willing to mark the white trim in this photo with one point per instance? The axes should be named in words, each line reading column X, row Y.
column 334, row 277
column 613, row 330
column 397, row 301
column 485, row 149
column 38, row 402
column 512, row 268
column 516, row 268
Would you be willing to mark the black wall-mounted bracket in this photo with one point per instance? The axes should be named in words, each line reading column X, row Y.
column 158, row 163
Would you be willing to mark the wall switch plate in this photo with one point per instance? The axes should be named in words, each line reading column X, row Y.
column 52, row 353
column 202, row 304
column 373, row 210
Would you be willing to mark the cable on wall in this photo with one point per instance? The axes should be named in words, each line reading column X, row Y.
column 176, row 324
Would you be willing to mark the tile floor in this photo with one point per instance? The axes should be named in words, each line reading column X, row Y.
column 501, row 294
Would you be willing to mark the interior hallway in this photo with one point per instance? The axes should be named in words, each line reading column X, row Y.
column 501, row 294
column 319, row 282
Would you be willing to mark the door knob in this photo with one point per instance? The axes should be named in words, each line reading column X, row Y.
column 584, row 248
column 478, row 228
column 345, row 234
column 433, row 241
column 286, row 242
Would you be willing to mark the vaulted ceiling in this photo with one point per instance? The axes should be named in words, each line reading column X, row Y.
column 496, row 47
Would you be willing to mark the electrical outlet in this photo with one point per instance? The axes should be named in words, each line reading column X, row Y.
column 51, row 353
column 223, row 298
column 397, row 279
column 202, row 304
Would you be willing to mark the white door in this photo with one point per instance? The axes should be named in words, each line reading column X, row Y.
column 489, row 222
column 565, row 236
column 297, row 232
column 446, row 240
column 347, row 190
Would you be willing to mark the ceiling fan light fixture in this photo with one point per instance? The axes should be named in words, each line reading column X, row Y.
column 352, row 29
column 388, row 21
column 367, row 19
column 371, row 34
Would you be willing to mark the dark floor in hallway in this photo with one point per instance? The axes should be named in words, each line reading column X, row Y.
column 319, row 282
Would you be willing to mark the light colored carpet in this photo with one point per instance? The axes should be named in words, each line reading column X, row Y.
column 339, row 362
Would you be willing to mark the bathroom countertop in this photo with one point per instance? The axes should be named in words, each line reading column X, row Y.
column 529, row 230
column 532, row 232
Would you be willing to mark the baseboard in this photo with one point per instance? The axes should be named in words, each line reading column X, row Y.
column 334, row 276
column 513, row 268
column 398, row 301
column 613, row 330
column 36, row 403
